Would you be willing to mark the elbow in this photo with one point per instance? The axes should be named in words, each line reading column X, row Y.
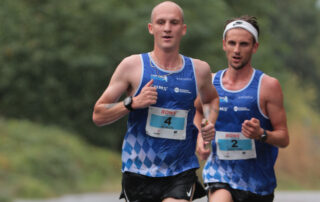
column 285, row 143
column 97, row 120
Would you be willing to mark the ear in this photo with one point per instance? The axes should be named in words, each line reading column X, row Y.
column 184, row 30
column 224, row 45
column 150, row 28
column 255, row 47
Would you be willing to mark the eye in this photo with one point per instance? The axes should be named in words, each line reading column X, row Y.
column 232, row 43
column 175, row 22
column 244, row 44
column 160, row 21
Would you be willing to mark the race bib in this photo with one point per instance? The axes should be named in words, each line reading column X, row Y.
column 167, row 123
column 234, row 146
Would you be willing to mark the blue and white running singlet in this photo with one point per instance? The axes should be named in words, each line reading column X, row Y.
column 243, row 163
column 161, row 139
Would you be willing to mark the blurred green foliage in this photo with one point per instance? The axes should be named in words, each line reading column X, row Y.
column 57, row 57
column 44, row 161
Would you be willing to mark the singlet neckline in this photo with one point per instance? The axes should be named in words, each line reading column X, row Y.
column 236, row 91
column 167, row 71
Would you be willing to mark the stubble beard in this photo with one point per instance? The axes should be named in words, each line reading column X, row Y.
column 238, row 67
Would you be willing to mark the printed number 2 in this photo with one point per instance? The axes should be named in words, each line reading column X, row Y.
column 234, row 143
column 168, row 121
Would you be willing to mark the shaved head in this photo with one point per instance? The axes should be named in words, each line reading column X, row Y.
column 166, row 5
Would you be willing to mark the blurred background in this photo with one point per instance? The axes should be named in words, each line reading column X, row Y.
column 57, row 57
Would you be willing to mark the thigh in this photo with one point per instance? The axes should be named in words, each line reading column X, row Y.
column 219, row 192
column 221, row 195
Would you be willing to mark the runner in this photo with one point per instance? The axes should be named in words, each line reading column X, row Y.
column 158, row 152
column 251, row 124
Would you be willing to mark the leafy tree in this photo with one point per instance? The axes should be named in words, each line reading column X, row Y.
column 57, row 57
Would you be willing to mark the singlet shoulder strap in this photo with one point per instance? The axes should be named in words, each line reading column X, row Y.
column 217, row 77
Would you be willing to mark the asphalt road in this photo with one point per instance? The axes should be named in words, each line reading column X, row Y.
column 280, row 196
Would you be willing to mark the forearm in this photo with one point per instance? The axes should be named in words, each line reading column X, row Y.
column 279, row 138
column 105, row 114
column 211, row 110
column 198, row 118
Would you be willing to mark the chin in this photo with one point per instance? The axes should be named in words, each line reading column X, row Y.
column 238, row 67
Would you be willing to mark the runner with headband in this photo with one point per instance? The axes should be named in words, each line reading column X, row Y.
column 251, row 125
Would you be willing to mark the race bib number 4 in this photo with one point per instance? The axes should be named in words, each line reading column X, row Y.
column 167, row 123
column 234, row 146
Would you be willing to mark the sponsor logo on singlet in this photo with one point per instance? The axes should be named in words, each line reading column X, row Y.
column 159, row 87
column 180, row 90
column 223, row 99
column 245, row 97
column 159, row 77
column 238, row 109
column 184, row 79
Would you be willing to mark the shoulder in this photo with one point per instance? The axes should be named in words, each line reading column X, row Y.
column 200, row 63
column 128, row 67
column 269, row 82
column 201, row 67
column 129, row 64
column 270, row 87
column 131, row 60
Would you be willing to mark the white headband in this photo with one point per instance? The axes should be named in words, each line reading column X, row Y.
column 241, row 24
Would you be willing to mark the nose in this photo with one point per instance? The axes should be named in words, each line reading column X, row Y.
column 237, row 48
column 167, row 27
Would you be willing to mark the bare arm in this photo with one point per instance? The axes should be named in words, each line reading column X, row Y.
column 207, row 106
column 202, row 151
column 207, row 92
column 126, row 78
column 271, row 98
column 107, row 109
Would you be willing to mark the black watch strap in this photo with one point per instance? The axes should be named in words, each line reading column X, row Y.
column 127, row 102
column 264, row 136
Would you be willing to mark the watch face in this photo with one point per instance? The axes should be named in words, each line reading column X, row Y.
column 127, row 101
column 264, row 137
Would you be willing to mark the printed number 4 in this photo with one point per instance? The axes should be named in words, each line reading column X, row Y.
column 168, row 121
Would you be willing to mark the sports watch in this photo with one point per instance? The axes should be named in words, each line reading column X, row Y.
column 128, row 102
column 264, row 136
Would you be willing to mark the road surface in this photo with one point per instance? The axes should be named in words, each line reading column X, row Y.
column 280, row 196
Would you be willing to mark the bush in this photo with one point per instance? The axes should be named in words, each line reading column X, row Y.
column 45, row 161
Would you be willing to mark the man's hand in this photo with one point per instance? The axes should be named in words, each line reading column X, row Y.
column 148, row 96
column 251, row 129
column 202, row 150
column 207, row 131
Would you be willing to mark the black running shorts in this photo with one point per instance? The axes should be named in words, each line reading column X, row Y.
column 239, row 195
column 140, row 188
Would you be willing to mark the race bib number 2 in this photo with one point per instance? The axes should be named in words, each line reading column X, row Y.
column 234, row 146
column 167, row 123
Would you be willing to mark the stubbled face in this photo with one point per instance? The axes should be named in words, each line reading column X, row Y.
column 167, row 26
column 239, row 47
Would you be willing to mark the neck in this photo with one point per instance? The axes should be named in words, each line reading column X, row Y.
column 238, row 74
column 167, row 60
column 234, row 79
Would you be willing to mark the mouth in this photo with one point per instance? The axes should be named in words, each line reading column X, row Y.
column 236, row 58
column 167, row 37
